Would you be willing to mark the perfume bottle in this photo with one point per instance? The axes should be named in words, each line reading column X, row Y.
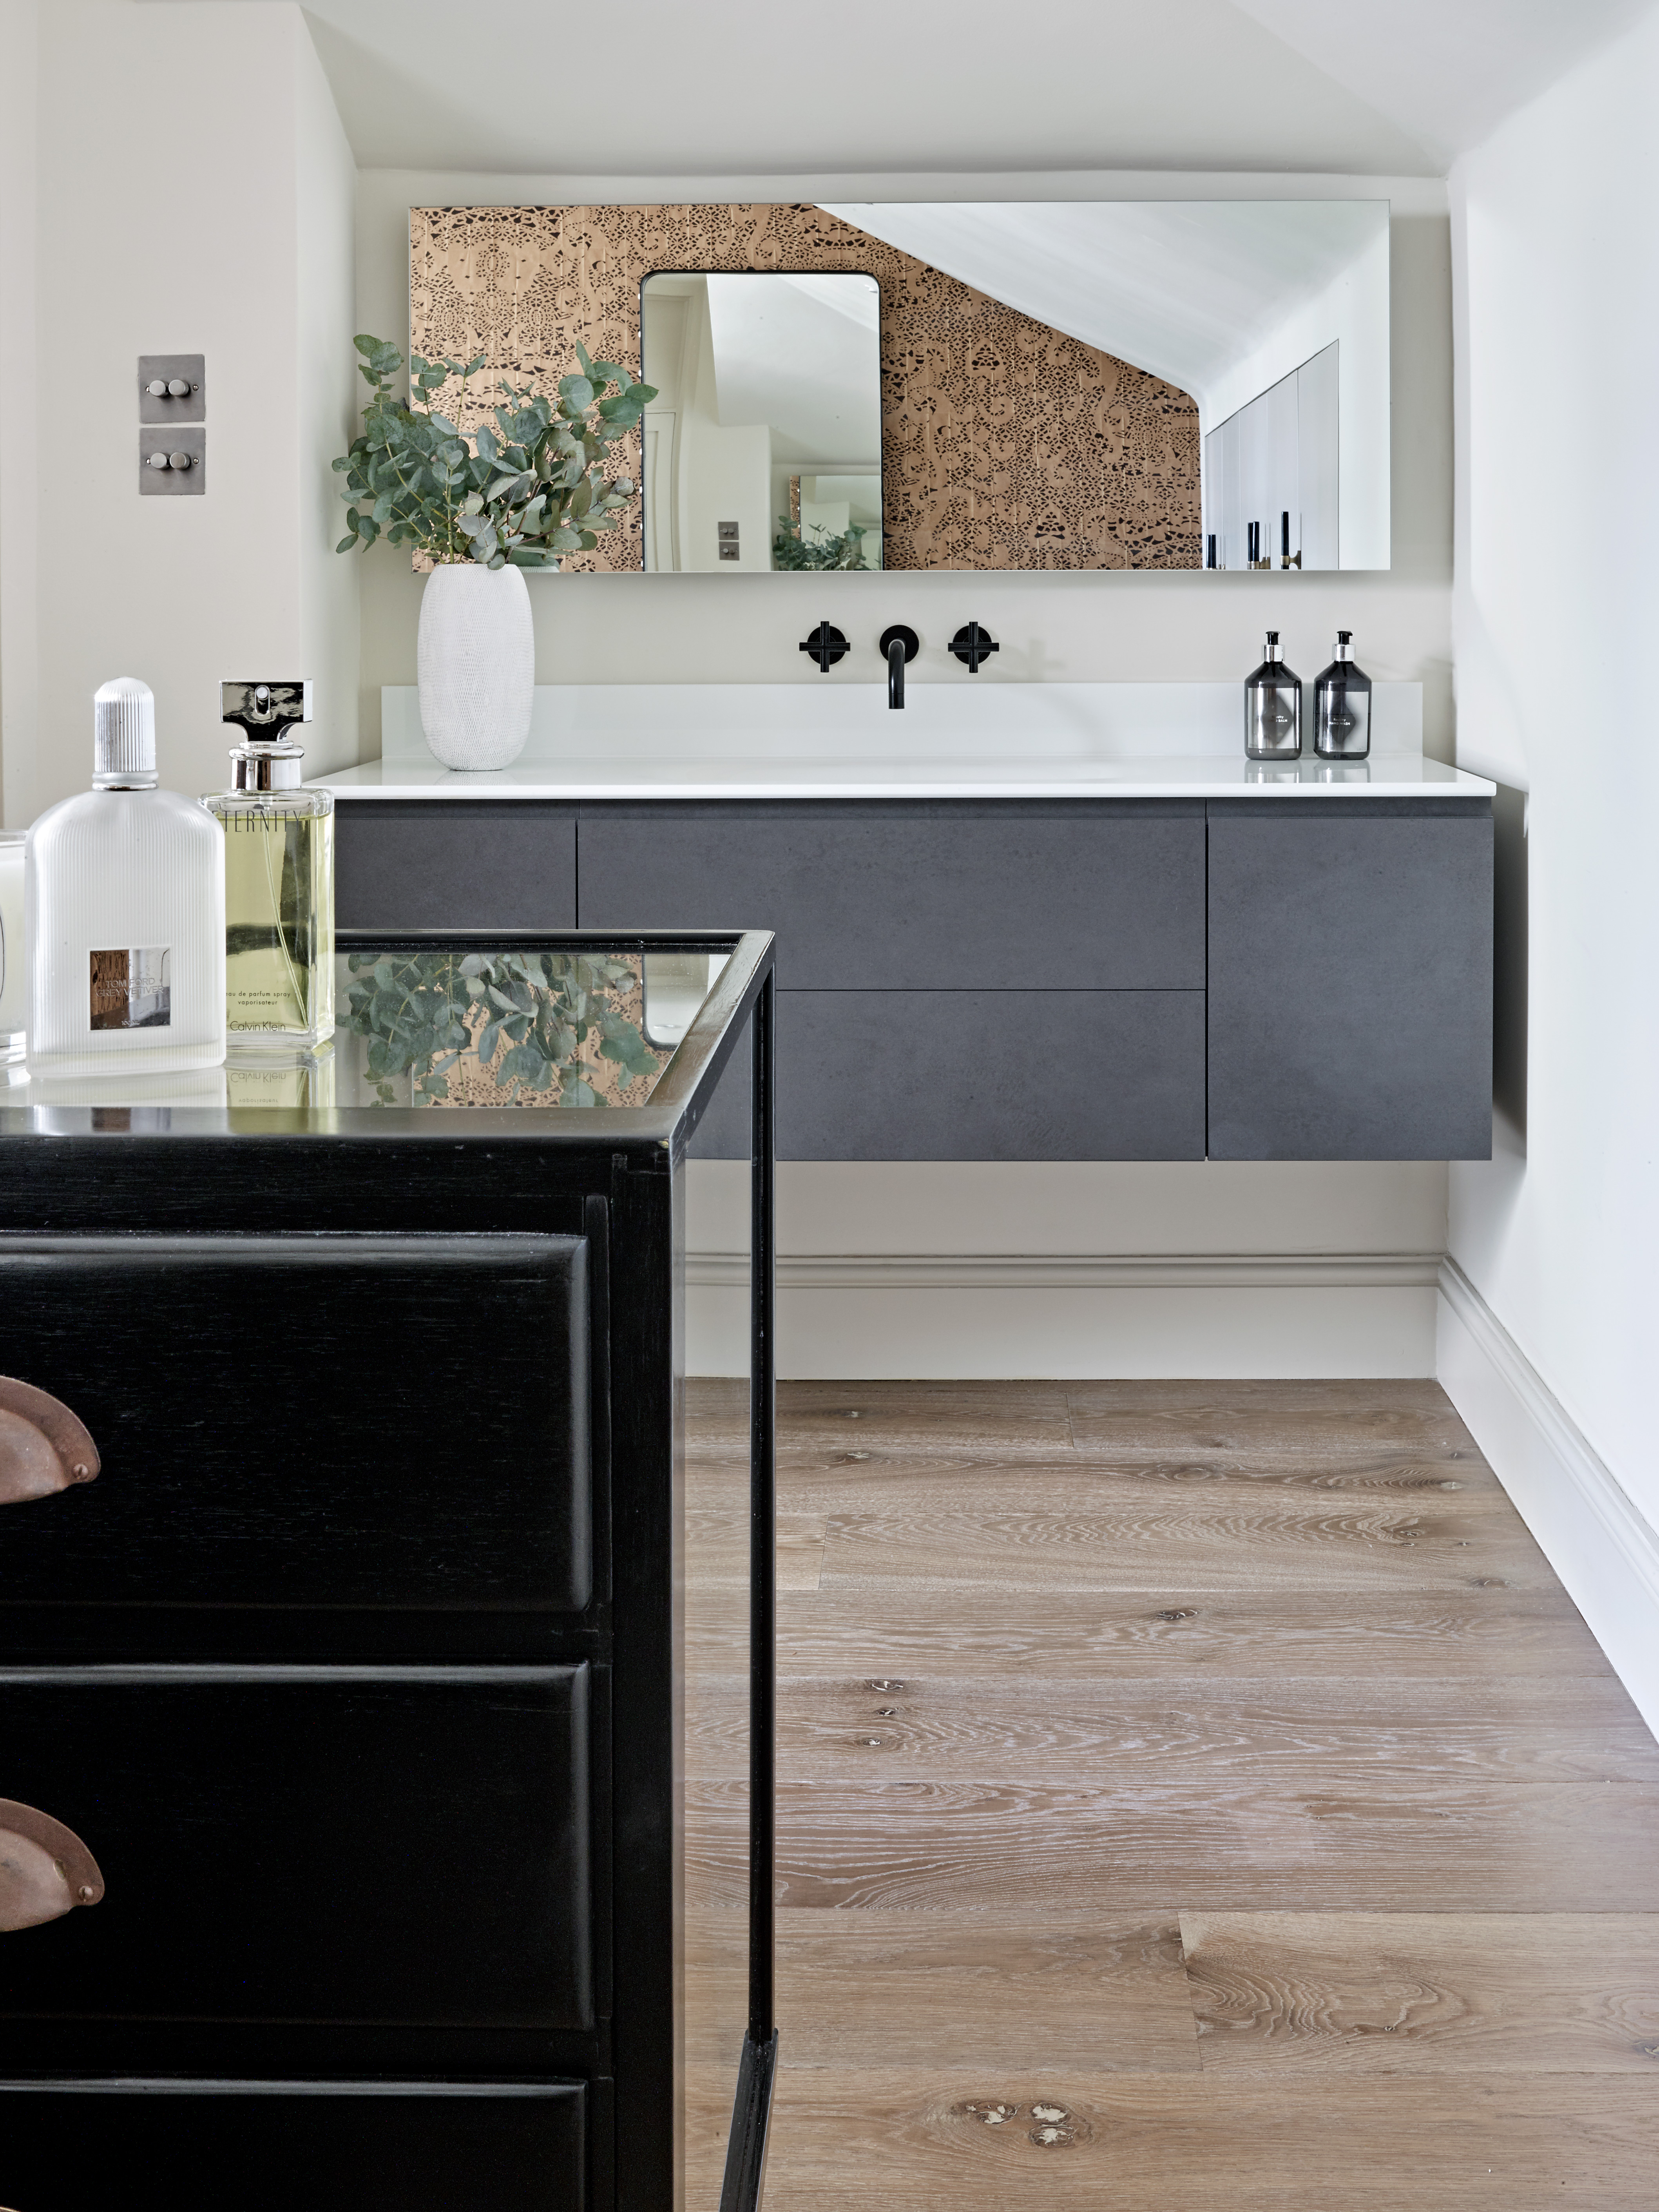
column 279, row 877
column 1342, row 706
column 1273, row 708
column 124, row 893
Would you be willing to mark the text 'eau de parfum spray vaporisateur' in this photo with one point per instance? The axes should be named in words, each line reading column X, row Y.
column 279, row 877
column 124, row 893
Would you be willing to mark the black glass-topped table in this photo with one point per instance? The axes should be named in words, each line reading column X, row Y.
column 340, row 1569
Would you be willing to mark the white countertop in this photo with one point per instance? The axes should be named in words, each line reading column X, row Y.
column 954, row 740
column 1386, row 775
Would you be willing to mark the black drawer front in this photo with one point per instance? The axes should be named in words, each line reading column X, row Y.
column 329, row 1421
column 884, row 895
column 418, row 2147
column 977, row 1075
column 405, row 1847
column 454, row 863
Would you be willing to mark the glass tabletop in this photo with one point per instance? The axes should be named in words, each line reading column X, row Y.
column 440, row 1027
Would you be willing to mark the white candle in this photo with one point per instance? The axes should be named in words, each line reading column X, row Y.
column 14, row 963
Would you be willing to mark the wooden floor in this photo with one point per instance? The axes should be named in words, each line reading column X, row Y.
column 1190, row 1794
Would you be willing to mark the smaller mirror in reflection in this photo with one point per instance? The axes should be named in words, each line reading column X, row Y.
column 763, row 447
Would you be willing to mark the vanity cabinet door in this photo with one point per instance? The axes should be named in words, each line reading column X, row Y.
column 351, row 2147
column 1350, row 1001
column 404, row 1846
column 945, row 895
column 977, row 1075
column 454, row 864
column 322, row 1421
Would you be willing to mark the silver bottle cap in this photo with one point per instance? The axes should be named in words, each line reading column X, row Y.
column 1344, row 646
column 268, row 759
column 1272, row 652
column 124, row 736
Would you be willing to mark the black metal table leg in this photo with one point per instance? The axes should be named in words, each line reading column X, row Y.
column 745, row 2156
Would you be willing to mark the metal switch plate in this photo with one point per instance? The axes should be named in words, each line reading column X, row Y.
column 172, row 482
column 171, row 369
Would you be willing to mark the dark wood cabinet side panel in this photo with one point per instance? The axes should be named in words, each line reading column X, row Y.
column 400, row 1848
column 321, row 1421
column 374, row 2147
column 454, row 864
column 885, row 894
column 1350, row 999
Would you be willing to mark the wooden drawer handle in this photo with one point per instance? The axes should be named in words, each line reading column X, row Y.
column 46, row 1870
column 43, row 1446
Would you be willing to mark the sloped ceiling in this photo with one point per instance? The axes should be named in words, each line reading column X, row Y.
column 730, row 87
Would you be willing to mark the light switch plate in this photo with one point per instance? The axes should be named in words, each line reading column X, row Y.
column 174, row 483
column 192, row 408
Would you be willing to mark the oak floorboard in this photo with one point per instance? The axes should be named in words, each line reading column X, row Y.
column 1486, row 1629
column 1338, row 1733
column 717, row 1548
column 1100, row 1993
column 1204, row 1544
column 1458, row 1846
column 869, row 1481
column 815, row 1421
column 1190, row 1419
column 1394, row 1993
column 979, row 2141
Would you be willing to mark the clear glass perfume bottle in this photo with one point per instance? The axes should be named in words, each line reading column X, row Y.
column 124, row 890
column 1342, row 706
column 1273, row 708
column 279, row 879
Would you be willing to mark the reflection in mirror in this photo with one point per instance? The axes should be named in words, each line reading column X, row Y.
column 763, row 447
column 1271, row 316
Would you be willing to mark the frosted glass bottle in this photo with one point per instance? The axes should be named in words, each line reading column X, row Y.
column 125, row 898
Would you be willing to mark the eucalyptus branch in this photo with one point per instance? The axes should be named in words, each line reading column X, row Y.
column 533, row 488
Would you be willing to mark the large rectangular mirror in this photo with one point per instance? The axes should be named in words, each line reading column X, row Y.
column 997, row 385
column 763, row 447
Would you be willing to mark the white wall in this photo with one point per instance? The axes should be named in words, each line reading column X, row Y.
column 1257, row 1270
column 193, row 193
column 1556, row 245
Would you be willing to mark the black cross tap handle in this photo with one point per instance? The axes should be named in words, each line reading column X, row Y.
column 827, row 645
column 971, row 645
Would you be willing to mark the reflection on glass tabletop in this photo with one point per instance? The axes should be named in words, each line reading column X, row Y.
column 511, row 1028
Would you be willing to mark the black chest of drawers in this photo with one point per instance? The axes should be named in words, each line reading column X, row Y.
column 357, row 1665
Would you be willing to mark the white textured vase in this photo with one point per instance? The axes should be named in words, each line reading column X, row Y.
column 476, row 662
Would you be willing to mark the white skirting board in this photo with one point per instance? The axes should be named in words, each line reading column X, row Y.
column 952, row 1317
column 1606, row 1552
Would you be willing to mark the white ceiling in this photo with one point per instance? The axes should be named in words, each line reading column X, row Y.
column 778, row 86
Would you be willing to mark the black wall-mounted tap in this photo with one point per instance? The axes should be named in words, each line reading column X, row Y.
column 827, row 645
column 898, row 644
column 973, row 643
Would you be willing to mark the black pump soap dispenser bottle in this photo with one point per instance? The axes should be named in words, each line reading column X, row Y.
column 1342, row 706
column 1273, row 708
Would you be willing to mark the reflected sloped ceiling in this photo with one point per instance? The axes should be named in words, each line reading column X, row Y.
column 1182, row 289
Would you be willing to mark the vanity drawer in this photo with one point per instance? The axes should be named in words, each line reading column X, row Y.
column 949, row 895
column 399, row 1845
column 976, row 1075
column 306, row 1421
column 357, row 2147
column 452, row 863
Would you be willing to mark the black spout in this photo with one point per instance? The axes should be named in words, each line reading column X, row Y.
column 900, row 644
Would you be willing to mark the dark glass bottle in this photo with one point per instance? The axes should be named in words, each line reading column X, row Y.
column 1342, row 706
column 1273, row 708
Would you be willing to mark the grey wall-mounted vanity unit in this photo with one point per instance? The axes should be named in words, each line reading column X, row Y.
column 1226, row 969
column 340, row 1675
